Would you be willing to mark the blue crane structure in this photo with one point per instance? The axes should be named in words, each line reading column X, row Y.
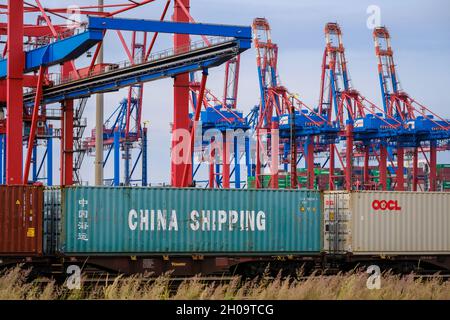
column 226, row 43
column 119, row 144
column 225, row 131
column 232, row 40
column 123, row 131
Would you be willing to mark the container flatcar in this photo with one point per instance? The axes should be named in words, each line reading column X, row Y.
column 215, row 231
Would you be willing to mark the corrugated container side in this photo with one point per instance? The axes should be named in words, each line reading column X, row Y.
column 400, row 222
column 169, row 220
column 21, row 220
column 52, row 219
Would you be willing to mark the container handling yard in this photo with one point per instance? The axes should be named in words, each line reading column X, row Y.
column 279, row 184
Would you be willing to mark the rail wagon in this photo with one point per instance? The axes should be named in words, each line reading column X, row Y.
column 211, row 231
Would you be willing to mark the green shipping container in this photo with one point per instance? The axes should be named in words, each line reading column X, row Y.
column 109, row 220
column 284, row 182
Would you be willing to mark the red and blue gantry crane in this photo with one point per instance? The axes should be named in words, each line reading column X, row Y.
column 421, row 128
column 345, row 126
column 62, row 44
column 292, row 130
column 44, row 92
column 225, row 139
column 343, row 105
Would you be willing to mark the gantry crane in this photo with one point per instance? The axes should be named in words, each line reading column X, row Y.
column 419, row 124
column 361, row 123
column 225, row 131
column 290, row 125
column 67, row 43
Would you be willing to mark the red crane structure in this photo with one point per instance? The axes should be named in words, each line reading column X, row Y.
column 345, row 126
column 231, row 84
column 60, row 45
column 11, row 89
column 340, row 103
column 222, row 116
column 301, row 125
column 274, row 101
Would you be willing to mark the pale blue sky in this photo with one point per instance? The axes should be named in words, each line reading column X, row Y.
column 421, row 40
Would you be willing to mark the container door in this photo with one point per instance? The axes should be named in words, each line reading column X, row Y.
column 337, row 220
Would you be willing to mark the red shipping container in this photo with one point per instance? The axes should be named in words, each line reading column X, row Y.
column 21, row 211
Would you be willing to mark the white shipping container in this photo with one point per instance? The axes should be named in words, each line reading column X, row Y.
column 380, row 222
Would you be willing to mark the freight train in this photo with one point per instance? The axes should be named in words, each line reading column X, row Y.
column 210, row 231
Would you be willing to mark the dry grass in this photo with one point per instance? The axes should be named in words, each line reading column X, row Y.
column 14, row 285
